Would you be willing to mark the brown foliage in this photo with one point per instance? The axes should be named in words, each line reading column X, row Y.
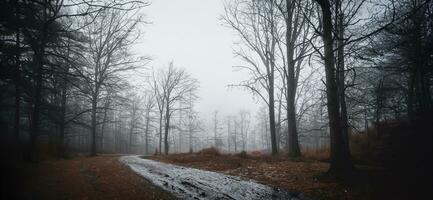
column 210, row 151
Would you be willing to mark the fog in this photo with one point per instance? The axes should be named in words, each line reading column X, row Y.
column 190, row 33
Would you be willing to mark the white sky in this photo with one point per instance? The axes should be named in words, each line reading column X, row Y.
column 190, row 33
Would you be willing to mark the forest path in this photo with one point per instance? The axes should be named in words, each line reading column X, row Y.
column 189, row 183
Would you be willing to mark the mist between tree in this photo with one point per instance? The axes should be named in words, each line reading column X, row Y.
column 323, row 72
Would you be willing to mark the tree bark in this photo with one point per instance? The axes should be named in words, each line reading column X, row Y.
column 38, row 61
column 146, row 135
column 61, row 148
column 17, row 79
column 292, row 139
column 104, row 119
column 340, row 157
column 340, row 74
column 131, row 136
column 279, row 121
column 93, row 125
column 272, row 117
column 38, row 74
column 167, row 126
column 160, row 132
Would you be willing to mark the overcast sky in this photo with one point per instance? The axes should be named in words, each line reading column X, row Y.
column 190, row 33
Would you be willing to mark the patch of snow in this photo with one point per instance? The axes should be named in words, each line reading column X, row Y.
column 189, row 183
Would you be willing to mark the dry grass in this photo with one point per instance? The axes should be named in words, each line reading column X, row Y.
column 316, row 154
column 362, row 147
column 101, row 177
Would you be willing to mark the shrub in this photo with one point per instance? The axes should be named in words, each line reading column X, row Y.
column 209, row 151
column 257, row 153
column 243, row 154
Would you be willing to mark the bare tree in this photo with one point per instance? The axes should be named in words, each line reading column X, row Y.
column 192, row 121
column 297, row 47
column 135, row 117
column 340, row 155
column 216, row 130
column 262, row 121
column 244, row 125
column 159, row 93
column 235, row 132
column 110, row 35
column 228, row 120
column 173, row 85
column 257, row 24
column 149, row 105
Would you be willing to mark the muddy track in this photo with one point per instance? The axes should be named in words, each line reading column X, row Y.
column 189, row 183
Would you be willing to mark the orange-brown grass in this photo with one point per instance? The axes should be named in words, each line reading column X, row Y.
column 361, row 146
column 100, row 177
column 321, row 154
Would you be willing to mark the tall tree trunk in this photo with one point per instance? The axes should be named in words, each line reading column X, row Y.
column 17, row 79
column 60, row 142
column 243, row 135
column 146, row 135
column 93, row 124
column 131, row 136
column 17, row 106
column 272, row 117
column 34, row 125
column 160, row 132
column 279, row 121
column 167, row 127
column 104, row 119
column 38, row 60
column 293, row 142
column 340, row 74
column 266, row 138
column 340, row 157
column 64, row 84
column 180, row 132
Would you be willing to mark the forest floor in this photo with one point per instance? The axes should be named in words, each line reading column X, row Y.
column 305, row 176
column 82, row 177
column 105, row 177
